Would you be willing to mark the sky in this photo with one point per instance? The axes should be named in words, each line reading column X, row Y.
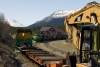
column 28, row 12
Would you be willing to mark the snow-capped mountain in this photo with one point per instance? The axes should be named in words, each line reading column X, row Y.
column 13, row 22
column 55, row 19
column 63, row 13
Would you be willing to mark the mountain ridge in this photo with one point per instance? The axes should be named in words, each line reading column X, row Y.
column 55, row 19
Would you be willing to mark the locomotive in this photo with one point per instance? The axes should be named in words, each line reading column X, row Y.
column 23, row 37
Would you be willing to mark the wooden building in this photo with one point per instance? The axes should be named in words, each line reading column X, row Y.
column 52, row 33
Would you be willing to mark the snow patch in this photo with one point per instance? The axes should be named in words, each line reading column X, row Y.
column 13, row 22
column 63, row 13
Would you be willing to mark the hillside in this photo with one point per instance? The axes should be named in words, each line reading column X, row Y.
column 7, row 55
column 50, row 22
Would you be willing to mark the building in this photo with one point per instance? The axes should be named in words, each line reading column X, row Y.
column 52, row 33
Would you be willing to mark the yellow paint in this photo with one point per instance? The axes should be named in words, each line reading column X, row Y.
column 86, row 15
column 86, row 18
column 81, row 65
column 95, row 41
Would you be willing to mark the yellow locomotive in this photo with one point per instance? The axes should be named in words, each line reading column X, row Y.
column 23, row 37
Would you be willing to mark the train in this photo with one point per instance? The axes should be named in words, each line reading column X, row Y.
column 40, row 37
column 23, row 37
column 26, row 36
column 49, row 33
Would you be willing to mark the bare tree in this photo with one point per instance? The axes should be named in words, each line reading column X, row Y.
column 4, row 26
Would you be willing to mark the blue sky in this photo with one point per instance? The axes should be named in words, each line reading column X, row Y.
column 27, row 12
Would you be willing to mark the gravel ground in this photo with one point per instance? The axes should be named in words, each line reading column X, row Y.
column 59, row 47
column 64, row 46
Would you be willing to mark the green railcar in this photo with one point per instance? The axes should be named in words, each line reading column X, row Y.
column 37, row 37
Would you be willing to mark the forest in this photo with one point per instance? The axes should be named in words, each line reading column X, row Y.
column 35, row 29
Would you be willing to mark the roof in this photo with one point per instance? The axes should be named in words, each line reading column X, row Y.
column 45, row 28
column 57, row 29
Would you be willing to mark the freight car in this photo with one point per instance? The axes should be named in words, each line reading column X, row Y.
column 23, row 36
column 41, row 37
column 49, row 33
